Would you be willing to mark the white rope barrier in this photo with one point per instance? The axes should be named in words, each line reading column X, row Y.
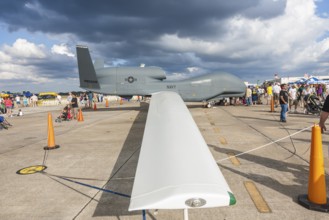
column 257, row 148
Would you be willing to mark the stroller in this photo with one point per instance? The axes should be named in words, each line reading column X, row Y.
column 4, row 123
column 65, row 115
column 312, row 104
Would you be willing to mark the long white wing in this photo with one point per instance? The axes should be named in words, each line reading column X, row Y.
column 176, row 169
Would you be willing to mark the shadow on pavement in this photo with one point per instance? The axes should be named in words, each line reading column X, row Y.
column 122, row 177
column 300, row 173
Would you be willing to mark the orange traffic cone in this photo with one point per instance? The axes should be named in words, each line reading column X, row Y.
column 51, row 136
column 317, row 197
column 121, row 102
column 106, row 103
column 95, row 106
column 272, row 104
column 80, row 116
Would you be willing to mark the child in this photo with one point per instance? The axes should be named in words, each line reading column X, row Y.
column 64, row 115
column 20, row 113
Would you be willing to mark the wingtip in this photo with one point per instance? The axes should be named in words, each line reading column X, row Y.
column 232, row 198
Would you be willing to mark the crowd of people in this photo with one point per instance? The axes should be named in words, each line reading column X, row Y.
column 263, row 94
column 9, row 103
column 291, row 97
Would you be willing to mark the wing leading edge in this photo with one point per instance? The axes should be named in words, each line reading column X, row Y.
column 176, row 169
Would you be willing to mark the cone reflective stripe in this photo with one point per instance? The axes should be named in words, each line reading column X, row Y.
column 80, row 116
column 51, row 135
column 317, row 196
column 106, row 103
column 317, row 181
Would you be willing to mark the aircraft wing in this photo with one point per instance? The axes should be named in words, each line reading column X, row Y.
column 175, row 169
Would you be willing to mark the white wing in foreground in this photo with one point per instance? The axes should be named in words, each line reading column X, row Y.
column 176, row 169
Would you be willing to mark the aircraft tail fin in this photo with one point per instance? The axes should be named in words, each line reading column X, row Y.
column 87, row 73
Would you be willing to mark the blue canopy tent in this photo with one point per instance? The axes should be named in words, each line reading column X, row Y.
column 300, row 81
column 313, row 80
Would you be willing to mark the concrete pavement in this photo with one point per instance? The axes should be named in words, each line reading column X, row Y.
column 102, row 153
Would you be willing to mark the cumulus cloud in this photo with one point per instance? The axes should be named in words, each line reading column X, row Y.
column 289, row 41
column 26, row 63
column 62, row 49
column 24, row 49
column 253, row 38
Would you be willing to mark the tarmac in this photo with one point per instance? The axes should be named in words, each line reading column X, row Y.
column 91, row 174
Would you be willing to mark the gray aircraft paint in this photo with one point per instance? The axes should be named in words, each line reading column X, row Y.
column 143, row 81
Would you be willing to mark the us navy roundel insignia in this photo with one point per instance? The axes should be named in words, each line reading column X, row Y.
column 131, row 79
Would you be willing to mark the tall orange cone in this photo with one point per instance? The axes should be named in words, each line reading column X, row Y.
column 51, row 136
column 121, row 102
column 106, row 103
column 80, row 116
column 95, row 106
column 272, row 104
column 317, row 196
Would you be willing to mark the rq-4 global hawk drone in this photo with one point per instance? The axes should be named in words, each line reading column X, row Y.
column 175, row 169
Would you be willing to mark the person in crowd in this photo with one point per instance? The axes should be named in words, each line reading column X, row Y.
column 59, row 99
column 69, row 97
column 300, row 95
column 20, row 113
column 90, row 99
column 276, row 92
column 248, row 96
column 269, row 91
column 9, row 106
column 25, row 101
column 4, row 123
column 324, row 115
column 34, row 100
column 284, row 99
column 74, row 105
column 85, row 99
column 319, row 91
column 293, row 98
column 18, row 101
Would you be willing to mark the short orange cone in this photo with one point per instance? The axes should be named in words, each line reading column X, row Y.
column 106, row 103
column 95, row 106
column 51, row 136
column 80, row 116
column 317, row 196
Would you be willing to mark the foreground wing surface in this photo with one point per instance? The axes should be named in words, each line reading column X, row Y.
column 175, row 168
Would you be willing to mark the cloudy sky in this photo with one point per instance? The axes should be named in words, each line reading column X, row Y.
column 253, row 39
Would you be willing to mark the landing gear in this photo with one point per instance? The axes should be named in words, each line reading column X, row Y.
column 206, row 104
